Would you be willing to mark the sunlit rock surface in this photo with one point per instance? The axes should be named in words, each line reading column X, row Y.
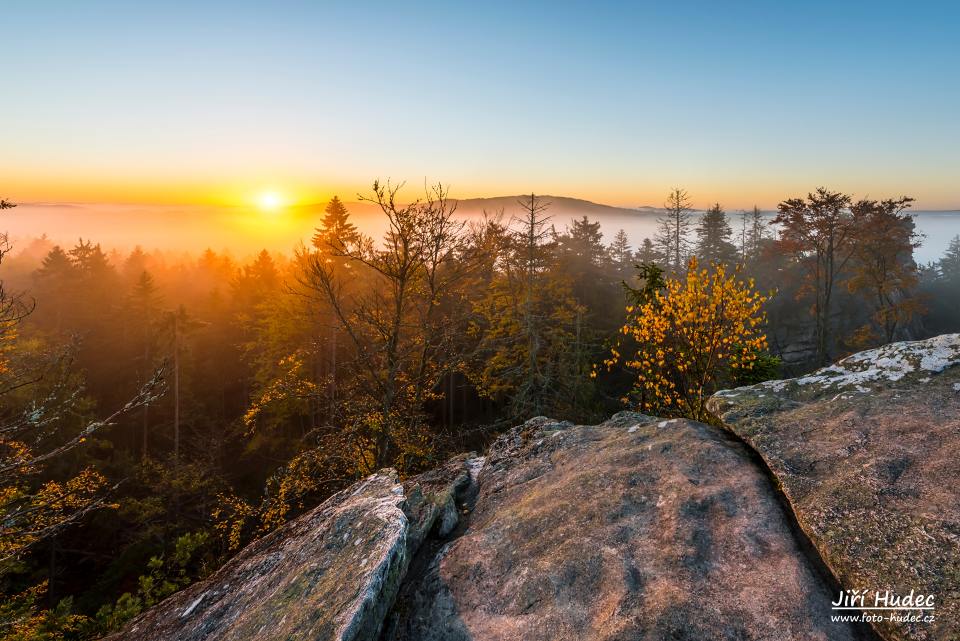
column 634, row 529
column 332, row 573
column 637, row 528
column 868, row 453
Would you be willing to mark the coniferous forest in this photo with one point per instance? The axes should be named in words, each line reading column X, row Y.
column 161, row 411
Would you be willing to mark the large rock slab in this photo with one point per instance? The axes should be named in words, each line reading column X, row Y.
column 868, row 454
column 634, row 529
column 331, row 574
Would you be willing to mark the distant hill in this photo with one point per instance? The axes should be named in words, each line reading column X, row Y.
column 560, row 207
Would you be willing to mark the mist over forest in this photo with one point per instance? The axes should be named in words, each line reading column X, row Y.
column 242, row 231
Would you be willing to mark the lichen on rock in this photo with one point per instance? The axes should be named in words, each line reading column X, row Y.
column 866, row 451
column 860, row 372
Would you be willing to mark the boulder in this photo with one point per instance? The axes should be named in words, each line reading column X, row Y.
column 332, row 573
column 637, row 528
column 867, row 452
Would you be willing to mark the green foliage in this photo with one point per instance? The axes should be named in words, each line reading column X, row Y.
column 652, row 281
column 535, row 334
column 713, row 238
column 164, row 577
column 766, row 367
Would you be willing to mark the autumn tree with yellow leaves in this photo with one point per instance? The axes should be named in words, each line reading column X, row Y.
column 689, row 338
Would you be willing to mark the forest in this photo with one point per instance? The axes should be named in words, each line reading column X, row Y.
column 160, row 411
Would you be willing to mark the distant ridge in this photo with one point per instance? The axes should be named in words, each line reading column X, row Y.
column 560, row 207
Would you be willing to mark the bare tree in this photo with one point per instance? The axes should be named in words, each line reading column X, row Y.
column 674, row 227
column 403, row 336
column 531, row 233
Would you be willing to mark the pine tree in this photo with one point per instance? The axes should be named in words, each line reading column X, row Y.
column 755, row 233
column 135, row 264
column 531, row 351
column 144, row 304
column 90, row 260
column 619, row 250
column 56, row 285
column 647, row 254
column 949, row 265
column 713, row 238
column 336, row 231
column 579, row 252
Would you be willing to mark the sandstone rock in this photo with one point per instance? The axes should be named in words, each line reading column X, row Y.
column 332, row 573
column 633, row 529
column 868, row 454
column 433, row 495
column 638, row 528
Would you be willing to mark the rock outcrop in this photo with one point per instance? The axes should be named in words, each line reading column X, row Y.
column 868, row 453
column 332, row 573
column 637, row 528
column 634, row 529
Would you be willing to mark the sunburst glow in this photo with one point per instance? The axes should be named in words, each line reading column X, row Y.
column 270, row 201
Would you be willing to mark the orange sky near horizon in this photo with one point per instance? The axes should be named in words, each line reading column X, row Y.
column 19, row 186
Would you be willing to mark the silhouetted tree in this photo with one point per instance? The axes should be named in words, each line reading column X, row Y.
column 647, row 253
column 674, row 227
column 713, row 238
column 949, row 265
column 336, row 231
column 620, row 251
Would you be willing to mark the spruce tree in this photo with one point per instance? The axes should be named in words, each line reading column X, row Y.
column 755, row 233
column 949, row 265
column 647, row 254
column 713, row 238
column 336, row 231
column 619, row 250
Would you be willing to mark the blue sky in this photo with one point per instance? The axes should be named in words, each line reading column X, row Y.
column 743, row 103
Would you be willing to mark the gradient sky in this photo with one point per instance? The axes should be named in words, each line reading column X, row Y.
column 213, row 102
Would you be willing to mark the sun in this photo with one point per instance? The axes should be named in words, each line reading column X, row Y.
column 270, row 201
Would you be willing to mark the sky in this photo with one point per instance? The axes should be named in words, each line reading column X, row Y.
column 217, row 103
